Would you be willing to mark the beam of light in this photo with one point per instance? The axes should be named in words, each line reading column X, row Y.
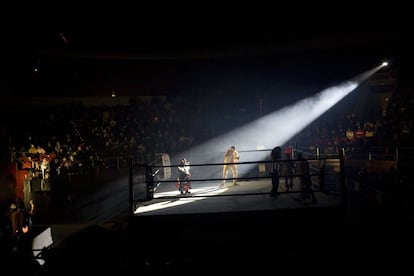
column 206, row 190
column 165, row 204
column 267, row 132
column 162, row 200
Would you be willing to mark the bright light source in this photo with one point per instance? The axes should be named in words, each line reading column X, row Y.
column 385, row 63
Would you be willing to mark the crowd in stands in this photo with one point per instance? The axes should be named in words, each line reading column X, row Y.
column 380, row 133
column 86, row 139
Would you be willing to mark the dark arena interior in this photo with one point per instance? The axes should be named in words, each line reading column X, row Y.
column 115, row 141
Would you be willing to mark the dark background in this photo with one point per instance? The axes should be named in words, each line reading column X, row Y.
column 150, row 51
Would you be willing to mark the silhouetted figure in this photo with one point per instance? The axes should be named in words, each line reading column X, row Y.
column 287, row 170
column 15, row 229
column 305, row 180
column 275, row 157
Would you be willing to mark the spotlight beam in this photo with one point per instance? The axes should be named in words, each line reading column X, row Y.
column 269, row 131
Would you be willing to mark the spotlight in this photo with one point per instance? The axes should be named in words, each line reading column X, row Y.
column 385, row 63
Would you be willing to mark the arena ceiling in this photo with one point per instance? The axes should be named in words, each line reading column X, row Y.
column 90, row 57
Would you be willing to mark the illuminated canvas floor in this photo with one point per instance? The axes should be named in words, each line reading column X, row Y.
column 210, row 198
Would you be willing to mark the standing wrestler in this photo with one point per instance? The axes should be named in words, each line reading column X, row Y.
column 183, row 177
column 231, row 157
